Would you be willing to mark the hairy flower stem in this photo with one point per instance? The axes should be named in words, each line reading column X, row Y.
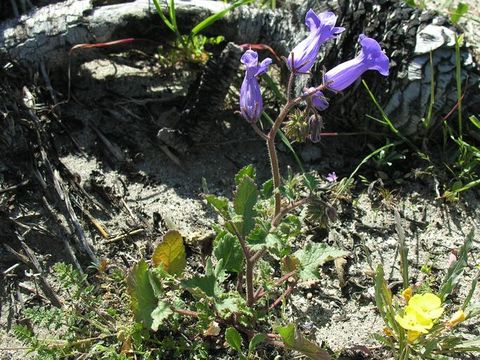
column 249, row 281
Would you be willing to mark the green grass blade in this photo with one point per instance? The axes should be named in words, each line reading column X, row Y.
column 274, row 87
column 428, row 119
column 163, row 17
column 173, row 16
column 211, row 19
column 369, row 156
column 458, row 77
column 470, row 185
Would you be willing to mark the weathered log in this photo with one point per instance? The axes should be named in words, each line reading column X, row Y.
column 402, row 31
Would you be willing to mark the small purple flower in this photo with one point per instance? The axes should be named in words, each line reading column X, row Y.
column 322, row 28
column 318, row 99
column 251, row 103
column 371, row 57
column 332, row 177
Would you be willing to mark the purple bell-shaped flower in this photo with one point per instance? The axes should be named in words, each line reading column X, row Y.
column 251, row 103
column 371, row 57
column 322, row 28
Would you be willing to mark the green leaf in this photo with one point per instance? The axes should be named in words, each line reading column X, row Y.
column 455, row 271
column 231, row 303
column 143, row 300
column 220, row 204
column 206, row 284
column 163, row 17
column 475, row 121
column 233, row 338
column 294, row 340
column 267, row 189
column 211, row 19
column 244, row 202
column 248, row 170
column 170, row 253
column 469, row 345
column 461, row 10
column 383, row 299
column 256, row 238
column 256, row 340
column 314, row 255
column 227, row 248
column 160, row 314
column 310, row 182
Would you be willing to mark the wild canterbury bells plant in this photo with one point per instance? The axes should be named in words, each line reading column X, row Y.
column 300, row 60
column 251, row 226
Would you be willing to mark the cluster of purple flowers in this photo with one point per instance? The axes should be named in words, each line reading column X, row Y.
column 302, row 58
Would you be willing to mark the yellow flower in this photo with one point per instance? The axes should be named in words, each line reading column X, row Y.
column 429, row 305
column 456, row 319
column 414, row 321
column 420, row 313
column 407, row 294
column 412, row 335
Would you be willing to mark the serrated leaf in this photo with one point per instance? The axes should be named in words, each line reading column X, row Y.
column 233, row 338
column 143, row 300
column 206, row 284
column 170, row 253
column 248, row 170
column 220, row 204
column 160, row 314
column 314, row 255
column 255, row 341
column 244, row 202
column 294, row 340
column 227, row 248
column 310, row 182
column 256, row 238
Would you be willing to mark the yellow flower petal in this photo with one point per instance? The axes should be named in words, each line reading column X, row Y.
column 414, row 321
column 413, row 335
column 456, row 318
column 429, row 305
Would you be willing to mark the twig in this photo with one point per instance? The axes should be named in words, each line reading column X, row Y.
column 123, row 236
column 67, row 244
column 15, row 187
column 31, row 261
column 281, row 297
